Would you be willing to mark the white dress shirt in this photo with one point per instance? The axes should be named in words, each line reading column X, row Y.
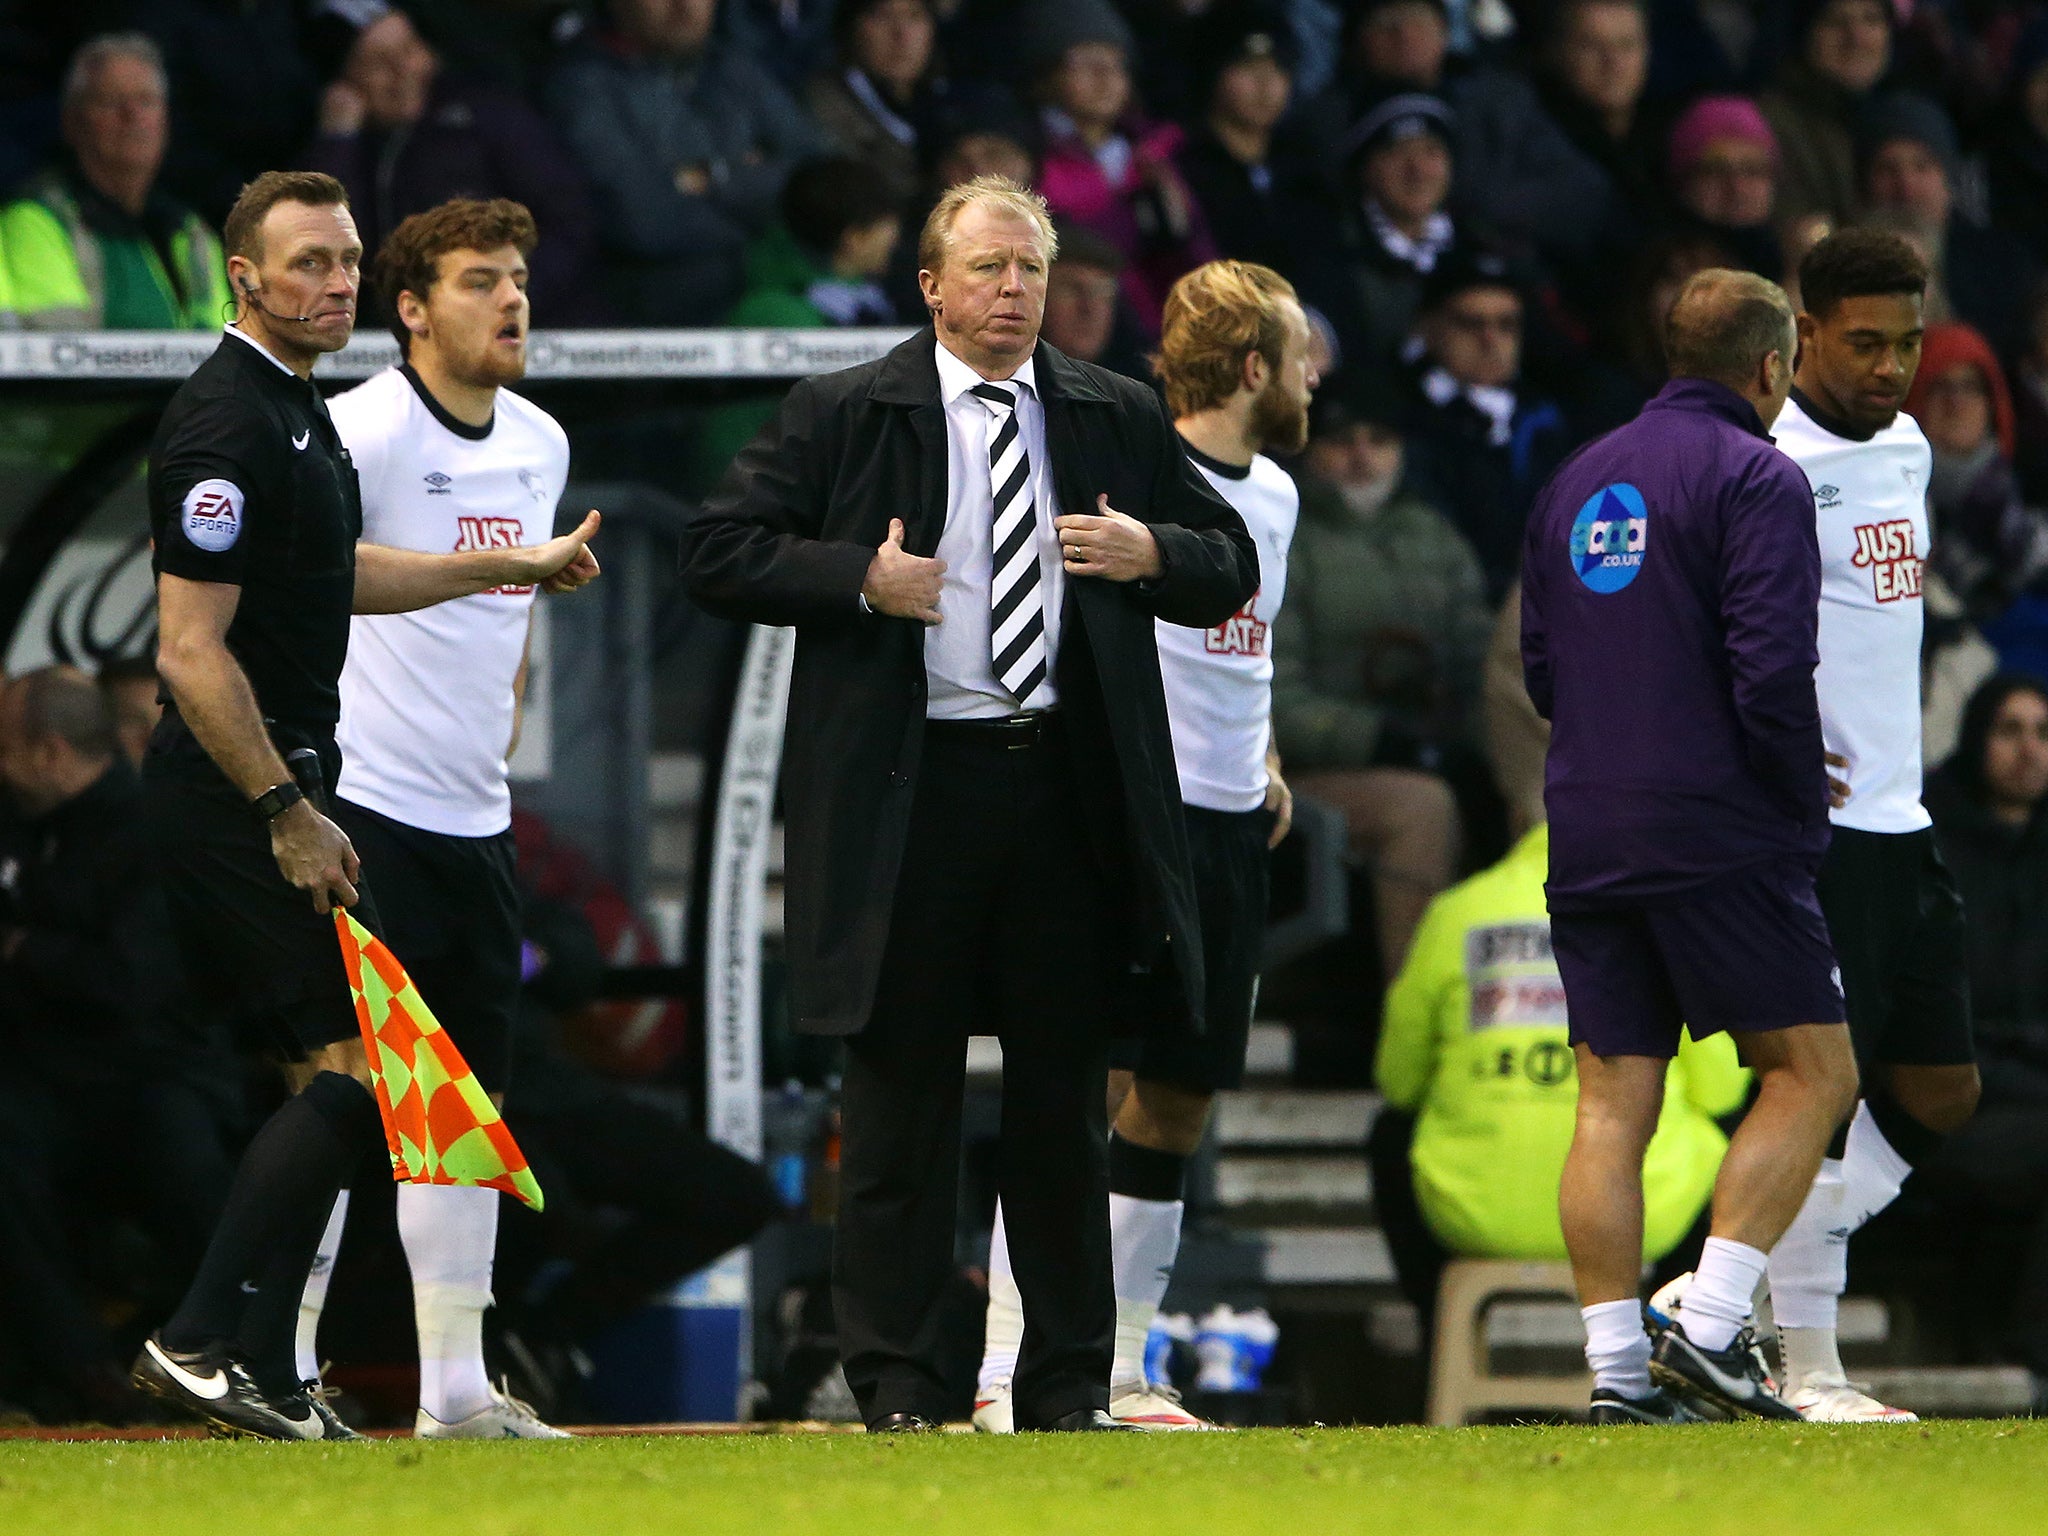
column 959, row 671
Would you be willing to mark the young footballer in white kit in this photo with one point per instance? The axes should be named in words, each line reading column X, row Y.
column 449, row 459
column 1234, row 357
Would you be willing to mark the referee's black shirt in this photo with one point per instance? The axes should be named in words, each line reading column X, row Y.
column 249, row 485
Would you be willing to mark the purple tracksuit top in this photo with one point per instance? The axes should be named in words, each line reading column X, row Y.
column 1670, row 605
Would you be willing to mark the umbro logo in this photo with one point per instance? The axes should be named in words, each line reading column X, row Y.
column 437, row 483
column 1827, row 496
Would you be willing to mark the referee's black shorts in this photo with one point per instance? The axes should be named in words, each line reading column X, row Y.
column 451, row 915
column 1232, row 879
column 1897, row 924
column 258, row 955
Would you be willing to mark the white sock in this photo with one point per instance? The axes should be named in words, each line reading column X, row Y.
column 1721, row 1299
column 1617, row 1349
column 450, row 1232
column 306, row 1345
column 1004, row 1329
column 1810, row 1265
column 1144, row 1240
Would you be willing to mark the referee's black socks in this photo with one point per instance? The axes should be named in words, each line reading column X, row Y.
column 246, row 1293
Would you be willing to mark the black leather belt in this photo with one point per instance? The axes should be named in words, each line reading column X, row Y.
column 1012, row 733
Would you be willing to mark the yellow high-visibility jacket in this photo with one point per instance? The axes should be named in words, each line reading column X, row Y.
column 1475, row 1045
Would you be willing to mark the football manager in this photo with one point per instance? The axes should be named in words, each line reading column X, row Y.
column 972, row 538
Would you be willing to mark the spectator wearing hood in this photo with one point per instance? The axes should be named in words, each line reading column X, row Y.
column 886, row 98
column 1844, row 51
column 2016, row 162
column 1907, row 156
column 1103, row 165
column 1483, row 444
column 1516, row 169
column 1988, row 803
column 685, row 142
column 1258, row 184
column 1988, row 546
column 403, row 136
column 1725, row 168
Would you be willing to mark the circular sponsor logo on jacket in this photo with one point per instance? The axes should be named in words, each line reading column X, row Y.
column 1610, row 537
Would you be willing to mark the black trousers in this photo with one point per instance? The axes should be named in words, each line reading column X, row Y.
column 1001, row 925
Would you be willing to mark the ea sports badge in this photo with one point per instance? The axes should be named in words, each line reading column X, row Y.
column 213, row 515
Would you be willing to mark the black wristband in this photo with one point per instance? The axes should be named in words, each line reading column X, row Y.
column 277, row 799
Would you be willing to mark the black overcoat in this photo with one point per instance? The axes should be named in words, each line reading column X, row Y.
column 786, row 539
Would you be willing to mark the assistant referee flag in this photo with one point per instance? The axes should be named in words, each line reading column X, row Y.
column 439, row 1123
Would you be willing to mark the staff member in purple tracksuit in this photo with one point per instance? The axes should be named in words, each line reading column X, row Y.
column 1670, row 593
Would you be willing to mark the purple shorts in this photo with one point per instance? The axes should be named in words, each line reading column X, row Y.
column 1748, row 953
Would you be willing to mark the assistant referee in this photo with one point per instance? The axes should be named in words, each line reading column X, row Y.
column 255, row 515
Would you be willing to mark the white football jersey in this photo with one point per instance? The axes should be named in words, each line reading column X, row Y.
column 1870, row 503
column 426, row 697
column 1219, row 682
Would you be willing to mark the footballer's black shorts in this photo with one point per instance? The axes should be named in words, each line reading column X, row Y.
column 451, row 915
column 257, row 953
column 1896, row 919
column 1231, row 866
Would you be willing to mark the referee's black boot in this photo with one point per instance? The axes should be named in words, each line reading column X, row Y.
column 218, row 1390
column 1088, row 1421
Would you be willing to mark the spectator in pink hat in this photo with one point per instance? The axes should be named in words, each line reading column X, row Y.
column 1724, row 172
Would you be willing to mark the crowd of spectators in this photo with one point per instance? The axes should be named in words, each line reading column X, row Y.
column 1486, row 205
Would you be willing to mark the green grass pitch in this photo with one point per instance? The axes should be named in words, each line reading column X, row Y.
column 1983, row 1479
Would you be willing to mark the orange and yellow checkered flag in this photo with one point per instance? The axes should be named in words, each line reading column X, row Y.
column 439, row 1123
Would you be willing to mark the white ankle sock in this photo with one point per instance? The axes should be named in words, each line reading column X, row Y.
column 1721, row 1299
column 1810, row 1265
column 1004, row 1328
column 1617, row 1349
column 1144, row 1240
column 450, row 1233
column 306, row 1344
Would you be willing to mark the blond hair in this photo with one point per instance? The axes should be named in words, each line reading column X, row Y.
column 998, row 192
column 1215, row 317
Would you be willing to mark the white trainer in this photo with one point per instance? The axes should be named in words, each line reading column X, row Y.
column 1153, row 1406
column 504, row 1418
column 992, row 1415
column 1836, row 1400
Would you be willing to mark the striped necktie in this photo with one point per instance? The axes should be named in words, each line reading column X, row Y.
column 1016, row 631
